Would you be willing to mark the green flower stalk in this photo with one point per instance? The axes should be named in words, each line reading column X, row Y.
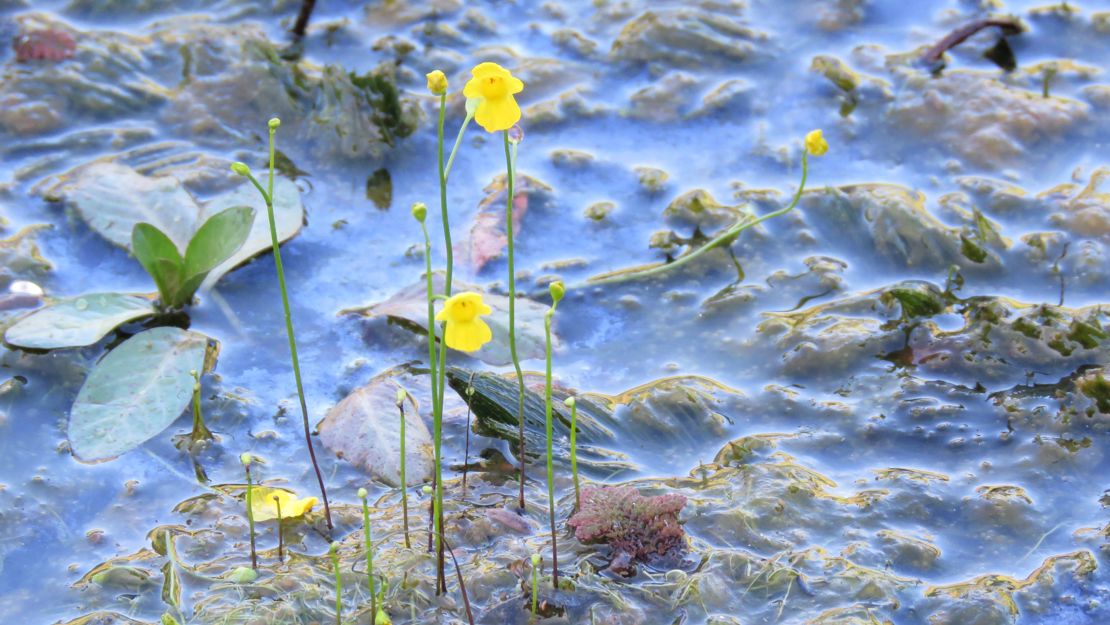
column 573, row 405
column 200, row 430
column 369, row 544
column 281, row 539
column 536, row 559
column 333, row 551
column 557, row 291
column 268, row 196
column 246, row 459
column 510, row 153
column 401, row 395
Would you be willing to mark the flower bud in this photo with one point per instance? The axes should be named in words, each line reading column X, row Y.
column 570, row 403
column 557, row 290
column 382, row 618
column 427, row 490
column 274, row 123
column 362, row 493
column 246, row 459
column 333, row 549
column 240, row 168
column 815, row 143
column 419, row 211
column 437, row 82
column 536, row 559
column 401, row 395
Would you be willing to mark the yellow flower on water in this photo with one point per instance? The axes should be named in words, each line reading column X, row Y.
column 437, row 82
column 466, row 331
column 815, row 143
column 264, row 508
column 495, row 86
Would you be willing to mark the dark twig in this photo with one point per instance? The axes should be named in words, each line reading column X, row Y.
column 301, row 25
column 932, row 57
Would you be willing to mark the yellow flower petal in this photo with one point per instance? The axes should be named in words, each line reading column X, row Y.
column 815, row 143
column 468, row 336
column 264, row 508
column 495, row 115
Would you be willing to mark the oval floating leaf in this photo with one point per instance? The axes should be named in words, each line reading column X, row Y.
column 135, row 392
column 364, row 429
column 77, row 321
column 113, row 198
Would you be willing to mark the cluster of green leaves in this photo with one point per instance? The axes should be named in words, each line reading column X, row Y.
column 178, row 277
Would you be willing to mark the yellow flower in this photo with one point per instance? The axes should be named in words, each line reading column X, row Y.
column 495, row 86
column 815, row 143
column 264, row 508
column 437, row 82
column 466, row 331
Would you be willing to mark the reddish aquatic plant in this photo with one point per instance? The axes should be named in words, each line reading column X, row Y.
column 636, row 527
column 44, row 45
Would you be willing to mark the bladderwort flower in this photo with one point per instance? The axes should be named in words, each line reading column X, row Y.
column 495, row 85
column 466, row 331
column 437, row 82
column 815, row 143
column 268, row 503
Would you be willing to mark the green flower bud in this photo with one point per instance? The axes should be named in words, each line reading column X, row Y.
column 246, row 459
column 274, row 123
column 536, row 559
column 419, row 211
column 427, row 490
column 558, row 290
column 362, row 493
column 240, row 168
column 401, row 395
column 333, row 549
column 569, row 402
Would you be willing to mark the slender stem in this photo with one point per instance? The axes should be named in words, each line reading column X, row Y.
column 727, row 236
column 338, row 584
column 458, row 141
column 250, row 518
column 512, row 310
column 443, row 193
column 550, row 465
column 574, row 454
column 369, row 558
column 301, row 25
column 441, row 570
column 437, row 412
column 466, row 448
column 281, row 539
column 289, row 330
column 404, row 481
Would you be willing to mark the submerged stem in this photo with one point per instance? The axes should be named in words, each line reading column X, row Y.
column 512, row 310
column 369, row 553
column 250, row 516
column 334, row 551
column 725, row 237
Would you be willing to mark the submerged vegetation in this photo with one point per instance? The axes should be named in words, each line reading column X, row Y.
column 864, row 376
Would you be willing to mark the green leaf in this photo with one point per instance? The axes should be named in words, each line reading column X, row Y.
column 288, row 217
column 77, row 321
column 220, row 237
column 135, row 392
column 161, row 259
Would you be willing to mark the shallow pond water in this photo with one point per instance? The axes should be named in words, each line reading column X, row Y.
column 883, row 407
